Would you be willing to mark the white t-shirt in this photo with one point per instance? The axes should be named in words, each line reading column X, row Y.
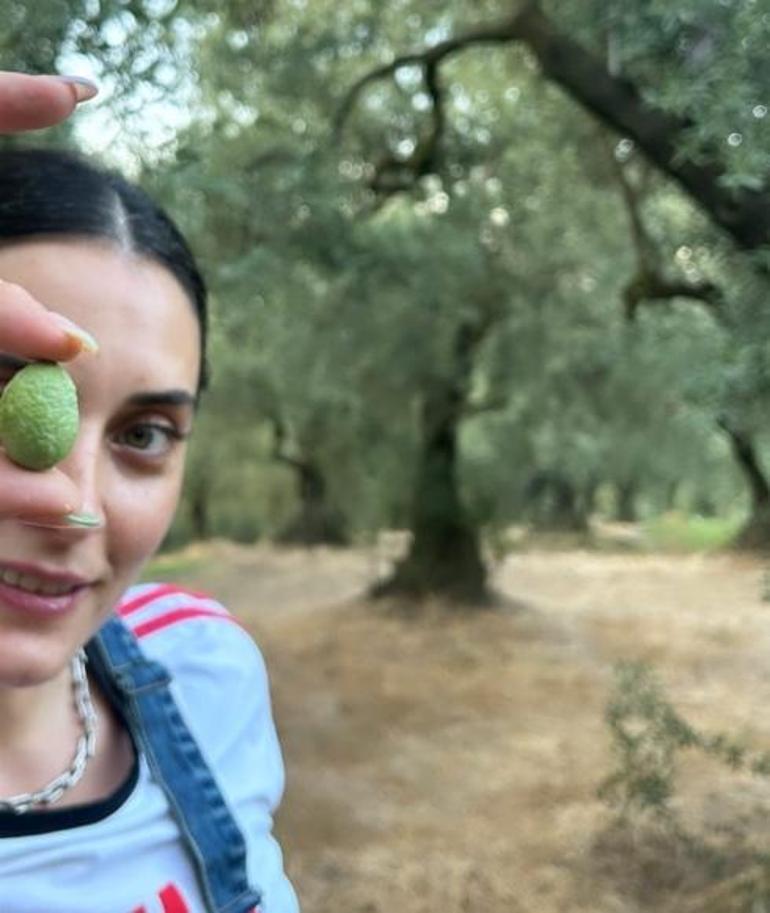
column 124, row 855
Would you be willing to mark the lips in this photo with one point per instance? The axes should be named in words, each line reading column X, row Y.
column 31, row 583
column 28, row 588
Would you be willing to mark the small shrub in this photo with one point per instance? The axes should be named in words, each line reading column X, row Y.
column 646, row 733
column 648, row 736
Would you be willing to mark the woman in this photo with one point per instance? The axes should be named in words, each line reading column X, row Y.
column 139, row 765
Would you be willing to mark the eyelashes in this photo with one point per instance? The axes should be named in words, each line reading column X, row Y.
column 148, row 439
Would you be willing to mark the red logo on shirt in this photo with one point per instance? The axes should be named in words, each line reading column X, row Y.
column 172, row 902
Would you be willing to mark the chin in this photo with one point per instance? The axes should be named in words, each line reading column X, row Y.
column 26, row 661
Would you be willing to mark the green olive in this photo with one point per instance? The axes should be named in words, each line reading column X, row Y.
column 39, row 416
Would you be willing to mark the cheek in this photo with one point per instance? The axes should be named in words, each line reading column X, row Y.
column 138, row 519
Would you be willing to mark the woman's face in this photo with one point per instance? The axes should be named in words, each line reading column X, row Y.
column 136, row 400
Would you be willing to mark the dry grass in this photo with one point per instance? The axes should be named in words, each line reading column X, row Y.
column 450, row 763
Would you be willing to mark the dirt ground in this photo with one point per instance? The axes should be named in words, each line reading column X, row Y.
column 451, row 763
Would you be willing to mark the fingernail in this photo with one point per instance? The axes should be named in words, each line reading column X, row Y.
column 69, row 521
column 84, row 88
column 86, row 521
column 84, row 339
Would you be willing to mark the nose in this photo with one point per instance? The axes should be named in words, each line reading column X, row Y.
column 83, row 469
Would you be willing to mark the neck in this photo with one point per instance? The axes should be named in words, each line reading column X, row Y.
column 33, row 709
column 46, row 729
column 40, row 728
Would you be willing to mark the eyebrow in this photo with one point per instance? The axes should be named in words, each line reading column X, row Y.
column 164, row 398
column 172, row 397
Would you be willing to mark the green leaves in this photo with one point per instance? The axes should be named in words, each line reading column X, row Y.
column 478, row 199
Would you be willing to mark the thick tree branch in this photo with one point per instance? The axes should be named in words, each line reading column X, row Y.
column 650, row 282
column 498, row 33
column 742, row 213
column 745, row 215
column 393, row 174
column 745, row 453
column 429, row 161
column 647, row 255
column 646, row 287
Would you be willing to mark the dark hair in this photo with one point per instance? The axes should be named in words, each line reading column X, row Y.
column 53, row 192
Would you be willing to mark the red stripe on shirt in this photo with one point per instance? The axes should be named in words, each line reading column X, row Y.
column 177, row 615
column 156, row 592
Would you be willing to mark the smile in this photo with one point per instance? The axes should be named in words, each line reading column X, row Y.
column 32, row 584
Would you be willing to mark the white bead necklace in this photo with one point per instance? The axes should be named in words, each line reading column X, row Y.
column 86, row 746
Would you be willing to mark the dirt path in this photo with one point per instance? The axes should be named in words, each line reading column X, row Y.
column 451, row 764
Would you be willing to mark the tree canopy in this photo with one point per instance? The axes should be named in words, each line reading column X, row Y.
column 471, row 265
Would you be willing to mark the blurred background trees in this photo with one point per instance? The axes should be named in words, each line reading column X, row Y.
column 473, row 266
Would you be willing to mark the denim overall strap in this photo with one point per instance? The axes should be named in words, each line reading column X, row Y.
column 141, row 688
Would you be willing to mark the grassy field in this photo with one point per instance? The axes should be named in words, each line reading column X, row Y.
column 677, row 532
column 451, row 762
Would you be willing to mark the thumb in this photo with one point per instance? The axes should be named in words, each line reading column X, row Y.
column 33, row 102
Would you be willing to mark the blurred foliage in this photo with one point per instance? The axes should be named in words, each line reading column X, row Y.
column 678, row 532
column 703, row 59
column 647, row 735
column 336, row 305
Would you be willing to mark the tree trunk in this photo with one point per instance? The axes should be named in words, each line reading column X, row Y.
column 316, row 522
column 625, row 504
column 704, row 506
column 755, row 534
column 671, row 495
column 555, row 503
column 444, row 556
column 588, row 500
column 200, row 514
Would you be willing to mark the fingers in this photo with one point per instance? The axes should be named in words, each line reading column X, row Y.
column 29, row 330
column 33, row 102
column 35, row 496
column 26, row 328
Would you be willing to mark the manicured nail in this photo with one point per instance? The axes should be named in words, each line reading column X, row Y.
column 84, row 339
column 69, row 521
column 85, row 521
column 84, row 88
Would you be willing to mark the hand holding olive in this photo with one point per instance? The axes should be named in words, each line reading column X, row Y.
column 28, row 330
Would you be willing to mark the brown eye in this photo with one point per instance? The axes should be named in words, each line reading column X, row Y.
column 142, row 437
column 149, row 438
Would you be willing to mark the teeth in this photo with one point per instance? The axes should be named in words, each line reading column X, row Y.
column 34, row 584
